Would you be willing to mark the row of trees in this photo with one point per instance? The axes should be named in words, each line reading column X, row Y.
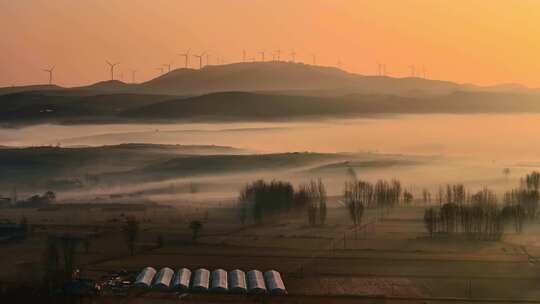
column 480, row 216
column 266, row 201
column 481, row 219
column 359, row 195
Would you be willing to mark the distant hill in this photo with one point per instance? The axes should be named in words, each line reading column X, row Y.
column 256, row 107
column 29, row 88
column 31, row 108
column 65, row 167
column 288, row 76
column 284, row 78
column 109, row 86
column 220, row 164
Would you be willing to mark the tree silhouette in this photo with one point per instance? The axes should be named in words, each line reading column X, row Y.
column 131, row 233
column 196, row 227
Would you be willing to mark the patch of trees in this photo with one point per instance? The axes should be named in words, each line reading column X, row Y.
column 312, row 198
column 59, row 259
column 37, row 201
column 195, row 227
column 480, row 216
column 383, row 195
column 268, row 201
column 131, row 233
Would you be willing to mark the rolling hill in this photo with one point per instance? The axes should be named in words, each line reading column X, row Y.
column 285, row 78
column 31, row 108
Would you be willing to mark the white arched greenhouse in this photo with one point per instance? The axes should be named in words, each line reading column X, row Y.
column 274, row 283
column 201, row 280
column 255, row 282
column 145, row 277
column 237, row 281
column 181, row 279
column 163, row 278
column 219, row 281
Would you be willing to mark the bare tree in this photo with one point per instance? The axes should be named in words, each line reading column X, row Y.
column 321, row 189
column 426, row 197
column 196, row 227
column 68, row 246
column 506, row 173
column 407, row 198
column 356, row 196
column 131, row 232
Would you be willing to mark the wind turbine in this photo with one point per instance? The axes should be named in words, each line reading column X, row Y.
column 413, row 70
column 112, row 66
column 278, row 51
column 384, row 69
column 379, row 69
column 293, row 56
column 243, row 55
column 160, row 69
column 200, row 59
column 50, row 71
column 314, row 57
column 262, row 54
column 207, row 59
column 424, row 72
column 186, row 56
column 133, row 75
column 168, row 66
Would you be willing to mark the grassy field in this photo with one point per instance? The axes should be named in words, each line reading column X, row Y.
column 392, row 256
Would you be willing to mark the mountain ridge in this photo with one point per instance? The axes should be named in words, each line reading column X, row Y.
column 281, row 77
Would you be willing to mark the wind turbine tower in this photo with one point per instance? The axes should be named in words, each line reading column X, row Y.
column 133, row 75
column 243, row 55
column 168, row 66
column 200, row 59
column 262, row 54
column 160, row 69
column 112, row 66
column 186, row 56
column 50, row 71
column 314, row 58
column 278, row 55
column 413, row 70
column 293, row 55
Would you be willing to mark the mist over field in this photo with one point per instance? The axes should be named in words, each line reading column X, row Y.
column 217, row 152
column 492, row 136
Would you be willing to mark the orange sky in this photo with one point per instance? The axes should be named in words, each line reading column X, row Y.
column 479, row 41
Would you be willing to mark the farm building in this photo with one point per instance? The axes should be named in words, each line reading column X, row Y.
column 181, row 279
column 163, row 278
column 237, row 281
column 145, row 277
column 274, row 283
column 219, row 281
column 201, row 280
column 255, row 282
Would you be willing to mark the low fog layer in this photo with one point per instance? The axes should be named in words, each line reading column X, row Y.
column 489, row 136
